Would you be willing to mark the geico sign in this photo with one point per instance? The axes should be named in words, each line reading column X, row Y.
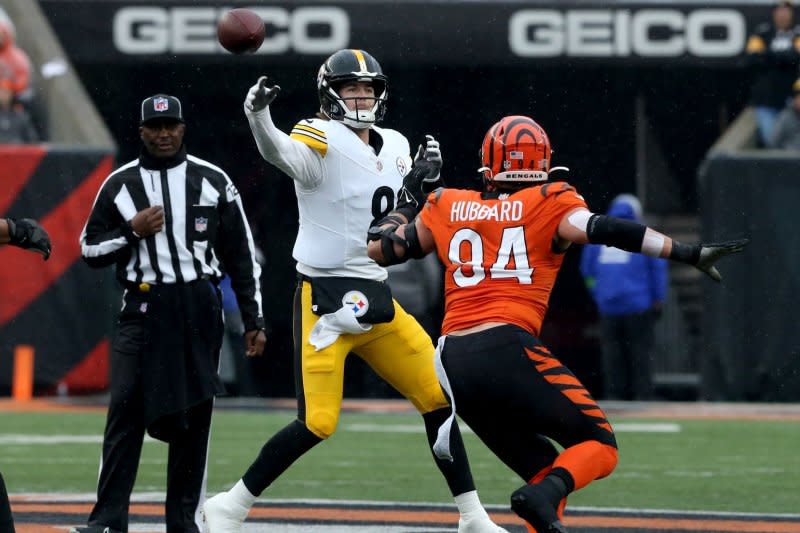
column 608, row 32
column 193, row 30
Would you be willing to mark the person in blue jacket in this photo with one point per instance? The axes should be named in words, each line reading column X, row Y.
column 629, row 290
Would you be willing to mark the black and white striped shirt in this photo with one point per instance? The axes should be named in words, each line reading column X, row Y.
column 205, row 231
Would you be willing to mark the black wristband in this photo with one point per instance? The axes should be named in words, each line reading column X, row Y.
column 685, row 253
column 258, row 323
column 407, row 211
column 390, row 219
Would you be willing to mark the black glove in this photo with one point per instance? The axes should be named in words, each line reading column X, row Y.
column 412, row 195
column 423, row 178
column 711, row 252
column 27, row 234
column 261, row 94
column 432, row 154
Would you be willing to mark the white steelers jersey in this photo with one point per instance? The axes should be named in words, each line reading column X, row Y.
column 342, row 186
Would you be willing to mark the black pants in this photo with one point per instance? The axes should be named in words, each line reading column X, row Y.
column 513, row 393
column 627, row 343
column 122, row 447
column 153, row 331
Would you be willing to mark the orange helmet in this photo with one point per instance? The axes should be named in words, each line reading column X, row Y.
column 516, row 150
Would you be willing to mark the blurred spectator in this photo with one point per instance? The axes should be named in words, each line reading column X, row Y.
column 16, row 57
column 773, row 52
column 786, row 132
column 629, row 290
column 15, row 123
column 235, row 369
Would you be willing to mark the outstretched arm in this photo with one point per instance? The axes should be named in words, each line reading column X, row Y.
column 581, row 226
column 299, row 161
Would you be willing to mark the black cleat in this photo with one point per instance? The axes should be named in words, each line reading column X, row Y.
column 532, row 505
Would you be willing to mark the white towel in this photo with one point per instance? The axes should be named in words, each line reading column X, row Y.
column 441, row 448
column 330, row 326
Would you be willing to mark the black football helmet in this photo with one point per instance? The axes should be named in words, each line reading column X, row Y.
column 351, row 65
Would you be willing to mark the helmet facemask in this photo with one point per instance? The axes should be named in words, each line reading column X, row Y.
column 358, row 114
column 349, row 66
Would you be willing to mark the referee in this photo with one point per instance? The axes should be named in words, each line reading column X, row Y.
column 173, row 225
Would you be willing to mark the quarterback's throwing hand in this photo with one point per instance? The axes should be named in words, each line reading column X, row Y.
column 261, row 94
column 710, row 253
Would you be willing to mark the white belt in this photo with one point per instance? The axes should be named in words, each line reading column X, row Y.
column 441, row 448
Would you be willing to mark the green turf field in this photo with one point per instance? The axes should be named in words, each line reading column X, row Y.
column 721, row 465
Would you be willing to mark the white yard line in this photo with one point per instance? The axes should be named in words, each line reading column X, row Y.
column 31, row 439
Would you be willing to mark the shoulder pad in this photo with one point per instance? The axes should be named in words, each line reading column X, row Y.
column 311, row 133
column 555, row 188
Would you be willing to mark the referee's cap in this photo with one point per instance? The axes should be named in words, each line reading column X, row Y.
column 161, row 106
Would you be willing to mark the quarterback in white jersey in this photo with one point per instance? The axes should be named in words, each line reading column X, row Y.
column 348, row 174
column 342, row 184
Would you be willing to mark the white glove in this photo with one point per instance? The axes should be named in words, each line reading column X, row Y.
column 432, row 155
column 261, row 95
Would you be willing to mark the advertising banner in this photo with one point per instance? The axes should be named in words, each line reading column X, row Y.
column 707, row 34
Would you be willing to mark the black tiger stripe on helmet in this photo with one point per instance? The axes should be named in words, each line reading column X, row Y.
column 515, row 152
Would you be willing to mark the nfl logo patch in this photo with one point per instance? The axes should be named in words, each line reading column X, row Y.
column 200, row 224
column 161, row 104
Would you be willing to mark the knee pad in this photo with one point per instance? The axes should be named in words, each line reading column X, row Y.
column 321, row 423
column 587, row 461
column 610, row 458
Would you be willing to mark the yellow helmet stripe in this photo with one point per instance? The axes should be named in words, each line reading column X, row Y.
column 362, row 63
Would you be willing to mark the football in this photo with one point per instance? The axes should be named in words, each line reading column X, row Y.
column 240, row 31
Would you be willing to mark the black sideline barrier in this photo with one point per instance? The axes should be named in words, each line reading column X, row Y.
column 752, row 352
